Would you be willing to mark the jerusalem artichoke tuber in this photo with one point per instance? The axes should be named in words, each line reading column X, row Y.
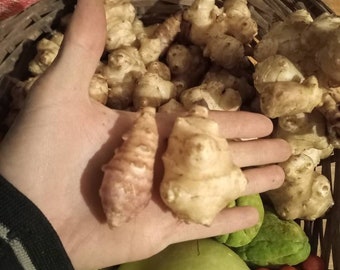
column 172, row 106
column 120, row 16
column 123, row 69
column 128, row 176
column 284, row 38
column 304, row 131
column 153, row 47
column 187, row 65
column 200, row 178
column 283, row 90
column 47, row 50
column 153, row 91
column 330, row 110
column 99, row 89
column 214, row 95
column 222, row 33
column 305, row 193
column 238, row 83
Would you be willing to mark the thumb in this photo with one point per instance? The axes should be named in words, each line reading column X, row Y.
column 81, row 49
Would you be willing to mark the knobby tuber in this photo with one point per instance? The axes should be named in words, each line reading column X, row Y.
column 99, row 89
column 237, row 82
column 214, row 95
column 313, row 46
column 305, row 193
column 120, row 19
column 124, row 67
column 283, row 89
column 296, row 79
column 187, row 65
column 128, row 177
column 47, row 50
column 304, row 131
column 154, row 88
column 222, row 33
column 153, row 47
column 330, row 109
column 172, row 106
column 200, row 178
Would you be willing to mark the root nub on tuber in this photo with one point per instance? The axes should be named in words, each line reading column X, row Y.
column 200, row 178
column 128, row 176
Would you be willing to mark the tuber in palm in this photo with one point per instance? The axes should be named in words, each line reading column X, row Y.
column 128, row 176
column 200, row 178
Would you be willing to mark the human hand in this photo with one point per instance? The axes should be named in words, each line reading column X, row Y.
column 54, row 153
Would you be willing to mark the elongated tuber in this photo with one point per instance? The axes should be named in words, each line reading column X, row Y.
column 200, row 178
column 153, row 47
column 128, row 176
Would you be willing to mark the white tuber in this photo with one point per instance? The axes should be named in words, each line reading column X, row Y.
column 283, row 90
column 120, row 17
column 200, row 178
column 123, row 69
column 99, row 89
column 152, row 90
column 213, row 95
column 47, row 50
column 154, row 46
column 304, row 131
column 305, row 193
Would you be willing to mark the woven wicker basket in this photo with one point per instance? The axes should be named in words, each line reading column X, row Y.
column 19, row 33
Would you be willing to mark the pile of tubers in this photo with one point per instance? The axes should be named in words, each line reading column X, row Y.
column 203, row 58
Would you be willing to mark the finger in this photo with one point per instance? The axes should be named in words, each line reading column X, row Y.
column 239, row 124
column 81, row 49
column 242, row 124
column 262, row 179
column 227, row 221
column 259, row 152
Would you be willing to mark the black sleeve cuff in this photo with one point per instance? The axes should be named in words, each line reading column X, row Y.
column 27, row 239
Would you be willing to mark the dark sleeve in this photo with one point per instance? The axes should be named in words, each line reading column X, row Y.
column 27, row 239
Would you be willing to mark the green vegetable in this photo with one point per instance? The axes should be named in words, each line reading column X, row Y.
column 278, row 242
column 243, row 237
column 197, row 254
